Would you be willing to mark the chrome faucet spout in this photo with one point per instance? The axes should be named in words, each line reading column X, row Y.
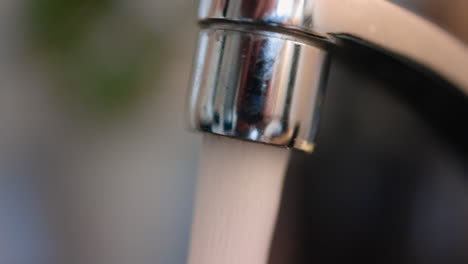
column 261, row 67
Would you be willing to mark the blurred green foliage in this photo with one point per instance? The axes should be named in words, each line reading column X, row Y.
column 102, row 57
column 61, row 25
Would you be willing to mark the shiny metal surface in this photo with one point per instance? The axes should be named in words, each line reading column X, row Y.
column 290, row 14
column 258, row 85
column 261, row 64
column 380, row 23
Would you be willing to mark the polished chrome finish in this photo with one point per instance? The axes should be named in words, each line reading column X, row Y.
column 261, row 64
column 258, row 85
column 289, row 14
column 378, row 22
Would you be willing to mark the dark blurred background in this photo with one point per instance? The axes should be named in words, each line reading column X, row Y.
column 96, row 165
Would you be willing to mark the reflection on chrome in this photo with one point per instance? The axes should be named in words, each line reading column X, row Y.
column 293, row 14
column 261, row 65
column 257, row 85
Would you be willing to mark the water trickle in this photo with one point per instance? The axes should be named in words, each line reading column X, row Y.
column 239, row 190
